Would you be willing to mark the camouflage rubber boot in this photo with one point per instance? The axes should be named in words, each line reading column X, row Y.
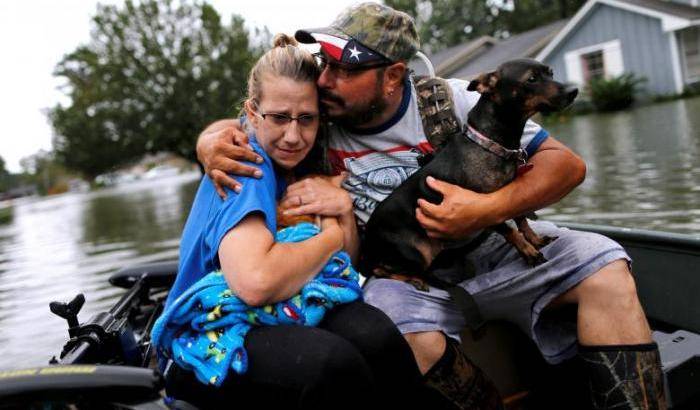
column 461, row 383
column 625, row 377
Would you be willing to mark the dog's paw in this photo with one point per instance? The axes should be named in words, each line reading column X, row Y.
column 535, row 259
column 545, row 240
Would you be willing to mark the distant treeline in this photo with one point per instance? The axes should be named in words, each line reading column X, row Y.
column 152, row 76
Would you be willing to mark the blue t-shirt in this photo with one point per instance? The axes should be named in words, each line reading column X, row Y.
column 211, row 218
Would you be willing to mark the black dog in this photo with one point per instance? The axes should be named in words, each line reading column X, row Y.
column 395, row 244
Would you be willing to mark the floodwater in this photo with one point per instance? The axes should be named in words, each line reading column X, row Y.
column 56, row 247
column 643, row 168
column 643, row 172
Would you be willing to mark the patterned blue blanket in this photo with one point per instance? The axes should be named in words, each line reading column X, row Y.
column 203, row 330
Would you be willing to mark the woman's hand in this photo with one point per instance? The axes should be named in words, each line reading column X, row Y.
column 317, row 196
column 220, row 149
column 327, row 199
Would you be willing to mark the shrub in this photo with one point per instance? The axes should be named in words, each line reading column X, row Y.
column 616, row 93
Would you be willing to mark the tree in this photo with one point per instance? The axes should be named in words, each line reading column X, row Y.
column 528, row 14
column 444, row 23
column 153, row 75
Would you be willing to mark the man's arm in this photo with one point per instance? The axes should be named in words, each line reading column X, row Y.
column 557, row 171
column 220, row 149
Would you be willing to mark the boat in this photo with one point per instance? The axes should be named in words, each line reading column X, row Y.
column 108, row 361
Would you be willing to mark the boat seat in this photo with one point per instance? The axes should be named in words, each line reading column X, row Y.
column 155, row 275
column 680, row 359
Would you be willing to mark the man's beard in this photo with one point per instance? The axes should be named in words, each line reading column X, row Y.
column 359, row 115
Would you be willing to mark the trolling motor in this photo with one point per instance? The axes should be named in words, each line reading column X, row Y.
column 69, row 311
column 105, row 338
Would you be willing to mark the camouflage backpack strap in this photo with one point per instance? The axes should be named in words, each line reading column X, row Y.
column 436, row 107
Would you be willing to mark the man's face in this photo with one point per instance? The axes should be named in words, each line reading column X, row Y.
column 351, row 97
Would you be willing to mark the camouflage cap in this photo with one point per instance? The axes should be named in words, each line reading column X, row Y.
column 379, row 28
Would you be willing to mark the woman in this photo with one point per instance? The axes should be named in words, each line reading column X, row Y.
column 356, row 351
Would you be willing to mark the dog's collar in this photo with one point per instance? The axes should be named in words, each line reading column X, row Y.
column 493, row 147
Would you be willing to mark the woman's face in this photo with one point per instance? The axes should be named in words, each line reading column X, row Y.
column 286, row 141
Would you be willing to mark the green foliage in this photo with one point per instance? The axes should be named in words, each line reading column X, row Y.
column 616, row 93
column 444, row 23
column 153, row 75
column 528, row 14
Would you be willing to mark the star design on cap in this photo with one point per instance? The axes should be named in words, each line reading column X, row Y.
column 354, row 52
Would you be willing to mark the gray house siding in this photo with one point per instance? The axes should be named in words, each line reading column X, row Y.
column 645, row 47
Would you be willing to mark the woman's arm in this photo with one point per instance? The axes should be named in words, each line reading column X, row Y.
column 261, row 271
column 351, row 239
column 323, row 195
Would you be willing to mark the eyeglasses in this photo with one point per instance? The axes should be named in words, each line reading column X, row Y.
column 346, row 70
column 279, row 119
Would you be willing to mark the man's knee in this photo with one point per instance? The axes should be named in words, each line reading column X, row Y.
column 613, row 284
column 427, row 348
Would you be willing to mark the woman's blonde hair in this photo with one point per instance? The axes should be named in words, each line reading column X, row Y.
column 285, row 59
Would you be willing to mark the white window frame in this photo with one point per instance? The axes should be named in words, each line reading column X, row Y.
column 687, row 79
column 613, row 63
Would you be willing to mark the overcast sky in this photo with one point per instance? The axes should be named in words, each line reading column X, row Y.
column 35, row 34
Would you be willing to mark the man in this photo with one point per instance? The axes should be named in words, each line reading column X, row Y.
column 376, row 136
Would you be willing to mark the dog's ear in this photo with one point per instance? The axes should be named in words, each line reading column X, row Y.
column 484, row 83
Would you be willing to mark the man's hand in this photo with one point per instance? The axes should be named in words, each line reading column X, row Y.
column 317, row 195
column 220, row 149
column 461, row 212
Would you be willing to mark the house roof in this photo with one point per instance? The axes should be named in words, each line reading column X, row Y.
column 490, row 56
column 673, row 16
column 451, row 59
column 668, row 7
column 441, row 56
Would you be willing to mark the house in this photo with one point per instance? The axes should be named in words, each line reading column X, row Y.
column 654, row 39
column 657, row 40
column 486, row 53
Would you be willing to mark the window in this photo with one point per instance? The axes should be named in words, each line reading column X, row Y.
column 593, row 66
column 594, row 61
column 690, row 39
